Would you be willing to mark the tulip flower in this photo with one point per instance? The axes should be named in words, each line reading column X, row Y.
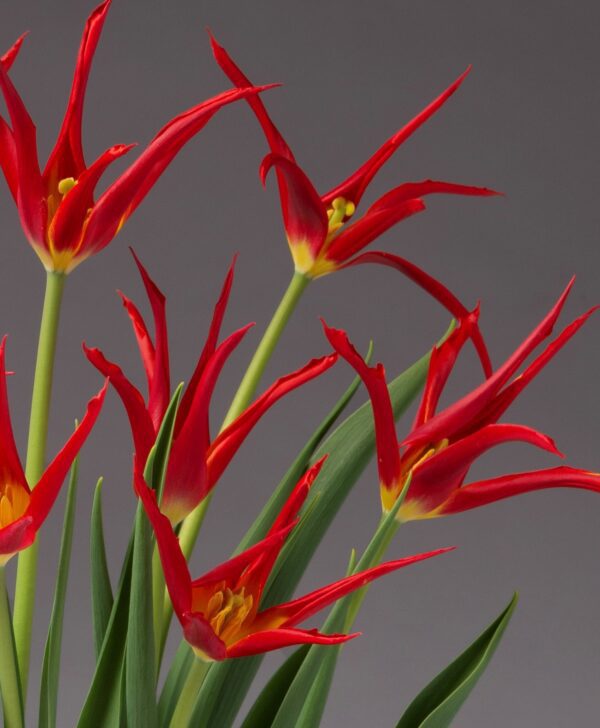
column 442, row 446
column 58, row 213
column 220, row 612
column 196, row 462
column 23, row 510
column 319, row 232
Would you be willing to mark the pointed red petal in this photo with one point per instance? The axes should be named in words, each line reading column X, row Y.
column 412, row 190
column 224, row 447
column 441, row 363
column 66, row 159
column 356, row 236
column 68, row 224
column 45, row 492
column 231, row 571
column 142, row 336
column 257, row 573
column 304, row 214
column 159, row 385
column 140, row 421
column 175, row 568
column 507, row 396
column 209, row 347
column 8, row 158
column 432, row 286
column 10, row 464
column 489, row 491
column 300, row 609
column 388, row 453
column 436, row 478
column 274, row 139
column 11, row 54
column 127, row 192
column 187, row 482
column 31, row 192
column 458, row 416
column 354, row 187
column 274, row 639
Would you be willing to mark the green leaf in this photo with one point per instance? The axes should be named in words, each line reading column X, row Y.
column 350, row 447
column 437, row 705
column 140, row 659
column 102, row 595
column 307, row 695
column 51, row 663
column 184, row 657
column 265, row 707
column 102, row 705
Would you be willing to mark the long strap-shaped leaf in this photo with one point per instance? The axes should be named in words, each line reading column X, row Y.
column 102, row 595
column 184, row 656
column 51, row 664
column 437, row 704
column 104, row 701
column 350, row 448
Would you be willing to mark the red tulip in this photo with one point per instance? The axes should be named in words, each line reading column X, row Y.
column 196, row 461
column 442, row 446
column 22, row 510
column 220, row 612
column 59, row 215
column 318, row 230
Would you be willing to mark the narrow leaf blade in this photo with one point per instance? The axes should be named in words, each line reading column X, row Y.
column 51, row 662
column 102, row 594
column 438, row 703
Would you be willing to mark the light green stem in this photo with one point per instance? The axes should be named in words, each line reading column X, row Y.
column 36, row 456
column 189, row 694
column 10, row 685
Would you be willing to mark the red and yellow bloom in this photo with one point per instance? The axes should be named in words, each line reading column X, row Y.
column 196, row 461
column 320, row 235
column 220, row 612
column 442, row 446
column 22, row 510
column 59, row 215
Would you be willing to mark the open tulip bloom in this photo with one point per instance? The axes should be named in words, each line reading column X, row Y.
column 220, row 612
column 196, row 462
column 318, row 229
column 23, row 510
column 59, row 215
column 442, row 446
column 246, row 606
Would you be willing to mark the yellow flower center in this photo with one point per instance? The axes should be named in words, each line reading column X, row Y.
column 66, row 185
column 14, row 500
column 226, row 612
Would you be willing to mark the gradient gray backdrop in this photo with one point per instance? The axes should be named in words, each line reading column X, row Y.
column 525, row 122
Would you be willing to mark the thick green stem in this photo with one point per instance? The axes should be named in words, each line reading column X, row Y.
column 36, row 456
column 10, row 685
column 261, row 357
column 189, row 694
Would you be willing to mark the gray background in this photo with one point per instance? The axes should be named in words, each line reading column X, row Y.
column 525, row 122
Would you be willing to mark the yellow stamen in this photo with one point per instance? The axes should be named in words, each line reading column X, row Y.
column 66, row 185
column 14, row 500
column 227, row 610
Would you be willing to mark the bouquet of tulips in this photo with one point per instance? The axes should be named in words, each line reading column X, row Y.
column 234, row 613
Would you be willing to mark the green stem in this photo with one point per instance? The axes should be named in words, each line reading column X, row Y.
column 36, row 455
column 9, row 671
column 261, row 357
column 189, row 694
